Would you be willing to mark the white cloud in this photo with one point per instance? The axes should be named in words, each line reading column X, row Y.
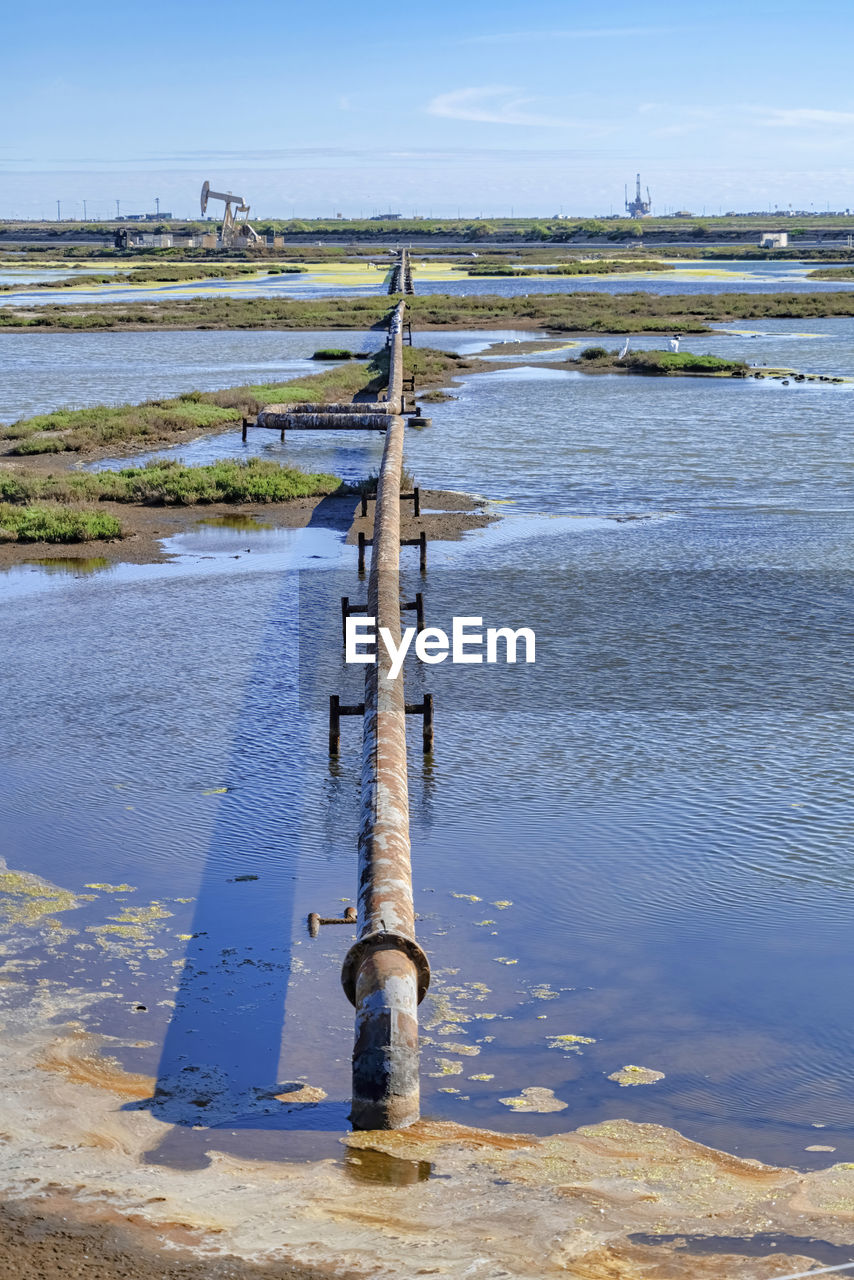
column 797, row 117
column 493, row 104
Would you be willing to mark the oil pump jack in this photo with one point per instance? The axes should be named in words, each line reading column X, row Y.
column 231, row 227
column 638, row 208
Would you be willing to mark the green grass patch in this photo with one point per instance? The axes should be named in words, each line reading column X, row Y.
column 832, row 273
column 581, row 312
column 56, row 523
column 661, row 363
column 588, row 267
column 670, row 362
column 166, row 481
column 333, row 353
column 159, row 421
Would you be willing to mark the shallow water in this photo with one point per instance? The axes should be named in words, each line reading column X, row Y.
column 686, row 277
column 40, row 372
column 643, row 841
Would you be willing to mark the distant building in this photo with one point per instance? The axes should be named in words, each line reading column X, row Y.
column 773, row 240
column 384, row 217
column 683, row 213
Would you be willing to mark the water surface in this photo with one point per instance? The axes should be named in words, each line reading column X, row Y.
column 642, row 842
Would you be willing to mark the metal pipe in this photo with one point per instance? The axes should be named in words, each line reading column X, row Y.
column 386, row 973
column 272, row 421
column 347, row 406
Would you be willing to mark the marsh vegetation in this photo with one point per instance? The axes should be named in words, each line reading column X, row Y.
column 578, row 312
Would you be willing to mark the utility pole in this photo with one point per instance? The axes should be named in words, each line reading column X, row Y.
column 84, row 211
column 58, row 212
column 157, row 205
column 117, row 211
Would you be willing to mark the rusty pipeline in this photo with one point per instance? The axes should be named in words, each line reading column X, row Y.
column 386, row 973
column 273, row 420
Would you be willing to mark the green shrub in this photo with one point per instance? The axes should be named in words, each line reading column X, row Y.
column 40, row 444
column 669, row 362
column 167, row 481
column 57, row 524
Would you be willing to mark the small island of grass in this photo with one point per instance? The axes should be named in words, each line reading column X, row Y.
column 658, row 363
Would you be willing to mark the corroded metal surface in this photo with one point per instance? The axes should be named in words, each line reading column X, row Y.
column 327, row 421
column 350, row 408
column 386, row 972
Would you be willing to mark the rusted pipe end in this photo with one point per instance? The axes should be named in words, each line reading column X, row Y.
column 313, row 924
column 351, row 915
column 386, row 1092
column 365, row 948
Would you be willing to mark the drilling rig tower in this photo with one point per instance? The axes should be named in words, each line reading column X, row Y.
column 638, row 208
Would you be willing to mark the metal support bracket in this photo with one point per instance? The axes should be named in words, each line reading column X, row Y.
column 415, row 495
column 347, row 609
column 315, row 920
column 336, row 711
column 420, row 541
column 418, row 605
column 424, row 709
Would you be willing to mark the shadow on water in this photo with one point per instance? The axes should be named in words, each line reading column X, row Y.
column 218, row 1082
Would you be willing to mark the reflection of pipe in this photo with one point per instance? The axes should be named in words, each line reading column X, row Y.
column 386, row 973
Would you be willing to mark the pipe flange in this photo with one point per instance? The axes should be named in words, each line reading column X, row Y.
column 371, row 942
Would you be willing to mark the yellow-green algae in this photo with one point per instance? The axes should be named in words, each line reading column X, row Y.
column 143, row 915
column 27, row 899
column 447, row 1068
column 570, row 1044
column 636, row 1075
column 535, row 1098
column 113, row 888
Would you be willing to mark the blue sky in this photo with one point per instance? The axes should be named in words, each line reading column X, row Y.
column 471, row 107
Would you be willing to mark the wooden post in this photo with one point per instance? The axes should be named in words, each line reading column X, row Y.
column 427, row 725
column 416, row 494
column 361, row 554
column 422, row 540
column 364, row 505
column 419, row 612
column 345, row 614
column 334, row 724
column 245, row 425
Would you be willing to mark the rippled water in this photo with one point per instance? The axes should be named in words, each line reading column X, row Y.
column 644, row 840
column 734, row 275
column 45, row 371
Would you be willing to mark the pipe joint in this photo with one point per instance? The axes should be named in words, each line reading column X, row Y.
column 383, row 940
